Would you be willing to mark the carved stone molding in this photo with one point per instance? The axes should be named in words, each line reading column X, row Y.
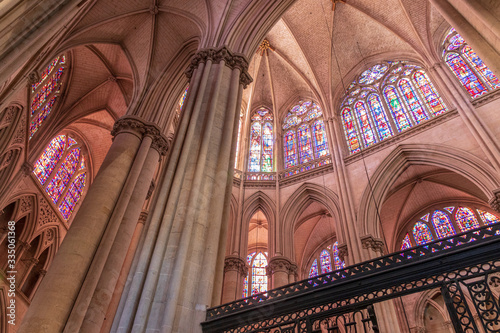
column 231, row 60
column 33, row 77
column 25, row 204
column 46, row 213
column 280, row 264
column 495, row 201
column 343, row 251
column 142, row 217
column 160, row 144
column 369, row 242
column 235, row 263
column 129, row 124
column 26, row 168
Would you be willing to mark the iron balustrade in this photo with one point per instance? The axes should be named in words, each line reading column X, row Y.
column 300, row 306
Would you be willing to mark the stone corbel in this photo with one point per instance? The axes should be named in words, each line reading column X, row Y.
column 370, row 242
column 495, row 201
column 281, row 264
column 235, row 263
column 343, row 251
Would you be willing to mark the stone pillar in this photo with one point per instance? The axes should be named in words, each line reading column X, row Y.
column 386, row 311
column 279, row 269
column 173, row 282
column 70, row 267
column 155, row 145
column 489, row 54
column 235, row 271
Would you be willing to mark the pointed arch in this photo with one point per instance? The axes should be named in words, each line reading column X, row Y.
column 257, row 201
column 453, row 159
column 295, row 205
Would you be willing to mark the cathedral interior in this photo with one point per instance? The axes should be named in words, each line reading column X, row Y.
column 249, row 166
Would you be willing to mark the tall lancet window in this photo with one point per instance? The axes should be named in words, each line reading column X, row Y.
column 387, row 99
column 261, row 141
column 62, row 171
column 470, row 70
column 257, row 277
column 44, row 93
column 304, row 135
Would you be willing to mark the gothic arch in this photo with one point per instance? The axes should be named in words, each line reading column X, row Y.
column 453, row 159
column 423, row 301
column 294, row 206
column 258, row 201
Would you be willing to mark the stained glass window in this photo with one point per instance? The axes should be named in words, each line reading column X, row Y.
column 350, row 131
column 305, row 147
column 259, row 277
column 304, row 138
column 442, row 224
column 467, row 66
column 406, row 243
column 431, row 98
column 422, row 233
column 326, row 264
column 183, row 98
column 314, row 269
column 466, row 219
column 488, row 218
column 238, row 142
column 261, row 142
column 398, row 113
column 339, row 264
column 44, row 93
column 381, row 123
column 245, row 287
column 64, row 185
column 387, row 99
column 412, row 101
column 51, row 155
column 364, row 124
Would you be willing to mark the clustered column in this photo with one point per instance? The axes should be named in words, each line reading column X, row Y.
column 95, row 246
column 173, row 278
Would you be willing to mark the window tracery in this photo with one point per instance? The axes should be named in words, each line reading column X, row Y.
column 45, row 92
column 304, row 137
column 261, row 141
column 257, row 277
column 387, row 99
column 444, row 222
column 328, row 259
column 473, row 74
column 61, row 170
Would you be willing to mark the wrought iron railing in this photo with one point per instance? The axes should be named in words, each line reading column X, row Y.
column 301, row 306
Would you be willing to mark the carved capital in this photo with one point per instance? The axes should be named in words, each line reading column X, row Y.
column 33, row 77
column 495, row 201
column 281, row 264
column 369, row 242
column 129, row 124
column 343, row 251
column 233, row 61
column 142, row 217
column 235, row 263
column 159, row 142
column 26, row 168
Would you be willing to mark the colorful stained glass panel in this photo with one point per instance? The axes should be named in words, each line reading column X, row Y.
column 326, row 263
column 305, row 147
column 259, row 277
column 486, row 74
column 398, row 114
column 47, row 161
column 267, row 148
column 422, row 233
column 377, row 111
column 406, row 243
column 442, row 224
column 431, row 97
column 364, row 124
column 488, row 218
column 319, row 139
column 290, row 144
column 350, row 131
column 63, row 176
column 467, row 77
column 72, row 196
column 412, row 101
column 255, row 147
column 339, row 264
column 314, row 269
column 466, row 219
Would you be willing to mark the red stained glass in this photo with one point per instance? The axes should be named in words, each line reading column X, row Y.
column 350, row 131
column 412, row 101
column 314, row 269
column 47, row 161
column 63, row 175
column 406, row 243
column 466, row 219
column 422, row 233
column 442, row 224
column 326, row 264
column 431, row 98
column 305, row 147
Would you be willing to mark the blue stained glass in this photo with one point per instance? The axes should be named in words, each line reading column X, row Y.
column 64, row 174
column 326, row 264
column 49, row 158
column 319, row 139
column 467, row 77
column 305, row 148
column 406, row 243
column 412, row 101
column 259, row 277
column 267, row 148
column 488, row 218
column 339, row 264
column 350, row 131
column 398, row 114
column 422, row 233
column 290, row 144
column 255, row 147
column 381, row 123
column 364, row 123
column 442, row 224
column 466, row 219
column 72, row 196
column 314, row 269
column 487, row 75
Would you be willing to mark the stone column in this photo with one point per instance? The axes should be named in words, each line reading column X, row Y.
column 235, row 271
column 386, row 311
column 70, row 266
column 156, row 146
column 489, row 54
column 173, row 282
column 279, row 269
